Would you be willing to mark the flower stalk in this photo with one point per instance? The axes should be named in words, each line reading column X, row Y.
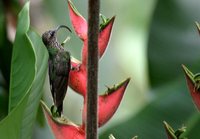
column 92, row 69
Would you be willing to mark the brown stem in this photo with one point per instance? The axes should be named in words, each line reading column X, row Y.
column 92, row 72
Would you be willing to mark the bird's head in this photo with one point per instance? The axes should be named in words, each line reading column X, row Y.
column 49, row 37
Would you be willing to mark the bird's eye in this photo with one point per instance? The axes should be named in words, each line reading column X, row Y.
column 52, row 33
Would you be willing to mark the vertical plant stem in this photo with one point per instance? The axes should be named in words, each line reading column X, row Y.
column 92, row 69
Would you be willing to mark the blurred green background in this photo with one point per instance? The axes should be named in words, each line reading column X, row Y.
column 150, row 40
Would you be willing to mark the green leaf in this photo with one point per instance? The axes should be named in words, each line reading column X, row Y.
column 36, row 89
column 173, row 40
column 19, row 123
column 22, row 75
column 10, row 126
column 29, row 111
column 193, row 127
column 173, row 104
column 23, row 61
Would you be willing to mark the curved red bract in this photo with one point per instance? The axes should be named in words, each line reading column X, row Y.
column 79, row 23
column 65, row 130
column 193, row 92
column 104, row 37
column 78, row 79
column 108, row 104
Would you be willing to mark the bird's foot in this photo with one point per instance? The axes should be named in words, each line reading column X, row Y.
column 54, row 111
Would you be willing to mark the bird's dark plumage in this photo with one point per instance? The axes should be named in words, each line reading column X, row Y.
column 59, row 67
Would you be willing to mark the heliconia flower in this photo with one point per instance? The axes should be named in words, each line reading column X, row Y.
column 108, row 103
column 171, row 134
column 78, row 78
column 61, row 127
column 193, row 82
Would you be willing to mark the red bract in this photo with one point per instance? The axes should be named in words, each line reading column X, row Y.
column 80, row 27
column 62, row 128
column 79, row 23
column 191, row 86
column 104, row 36
column 78, row 78
column 108, row 103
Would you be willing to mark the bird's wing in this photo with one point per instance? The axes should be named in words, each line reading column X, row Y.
column 62, row 69
column 51, row 76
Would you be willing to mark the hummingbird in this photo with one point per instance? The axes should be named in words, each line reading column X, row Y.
column 59, row 65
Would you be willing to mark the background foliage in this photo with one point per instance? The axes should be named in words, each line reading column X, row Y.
column 150, row 41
